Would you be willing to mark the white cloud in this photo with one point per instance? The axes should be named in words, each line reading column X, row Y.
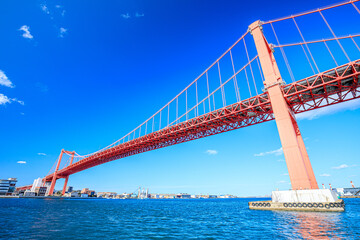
column 341, row 166
column 5, row 81
column 280, row 160
column 285, row 174
column 42, row 154
column 21, row 162
column 314, row 114
column 276, row 152
column 26, row 33
column 282, row 182
column 4, row 100
column 325, row 175
column 126, row 16
column 211, row 152
column 45, row 9
column 62, row 32
column 139, row 15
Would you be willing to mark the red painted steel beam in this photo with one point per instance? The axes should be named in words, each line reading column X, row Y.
column 24, row 187
column 331, row 87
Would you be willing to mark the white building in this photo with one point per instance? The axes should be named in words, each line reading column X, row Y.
column 7, row 186
column 348, row 191
column 29, row 193
column 37, row 183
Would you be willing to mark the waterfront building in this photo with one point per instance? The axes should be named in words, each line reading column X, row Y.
column 90, row 193
column 7, row 186
column 69, row 189
column 162, row 196
column 74, row 194
column 37, row 183
column 40, row 191
column 84, row 195
column 29, row 193
column 124, row 196
column 226, row 196
column 84, row 190
column 348, row 191
column 107, row 194
column 183, row 195
column 212, row 196
column 155, row 195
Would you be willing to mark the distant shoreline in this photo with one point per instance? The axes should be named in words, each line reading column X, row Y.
column 56, row 197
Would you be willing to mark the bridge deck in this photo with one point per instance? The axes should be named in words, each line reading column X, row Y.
column 333, row 86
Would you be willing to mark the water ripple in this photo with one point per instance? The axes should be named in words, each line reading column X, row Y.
column 168, row 219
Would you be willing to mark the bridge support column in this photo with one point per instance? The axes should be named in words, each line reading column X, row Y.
column 65, row 183
column 53, row 181
column 67, row 177
column 297, row 160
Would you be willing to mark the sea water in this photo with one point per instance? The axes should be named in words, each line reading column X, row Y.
column 168, row 219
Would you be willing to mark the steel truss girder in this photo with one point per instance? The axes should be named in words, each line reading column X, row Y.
column 245, row 113
column 333, row 86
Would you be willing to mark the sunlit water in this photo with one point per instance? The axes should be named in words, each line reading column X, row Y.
column 168, row 219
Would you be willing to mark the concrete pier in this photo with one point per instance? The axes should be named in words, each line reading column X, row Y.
column 317, row 200
column 337, row 206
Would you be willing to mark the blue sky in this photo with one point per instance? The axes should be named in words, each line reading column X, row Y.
column 79, row 75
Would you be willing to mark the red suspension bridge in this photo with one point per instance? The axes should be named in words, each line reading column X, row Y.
column 226, row 96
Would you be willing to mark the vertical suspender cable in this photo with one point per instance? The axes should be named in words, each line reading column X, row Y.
column 222, row 87
column 356, row 7
column 214, row 101
column 331, row 53
column 306, row 47
column 208, row 90
column 168, row 115
column 247, row 80
column 327, row 24
column 237, row 93
column 146, row 127
column 186, row 111
column 197, row 100
column 177, row 108
column 153, row 123
column 160, row 121
column 261, row 74
column 252, row 74
column 284, row 56
column 355, row 43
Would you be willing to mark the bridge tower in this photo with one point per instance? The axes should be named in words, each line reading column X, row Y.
column 67, row 177
column 54, row 178
column 297, row 160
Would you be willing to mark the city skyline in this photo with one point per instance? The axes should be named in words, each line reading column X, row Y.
column 70, row 81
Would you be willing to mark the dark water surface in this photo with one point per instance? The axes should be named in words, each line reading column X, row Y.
column 168, row 219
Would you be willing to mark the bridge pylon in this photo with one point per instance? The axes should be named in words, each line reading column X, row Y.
column 297, row 160
column 67, row 177
column 53, row 180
